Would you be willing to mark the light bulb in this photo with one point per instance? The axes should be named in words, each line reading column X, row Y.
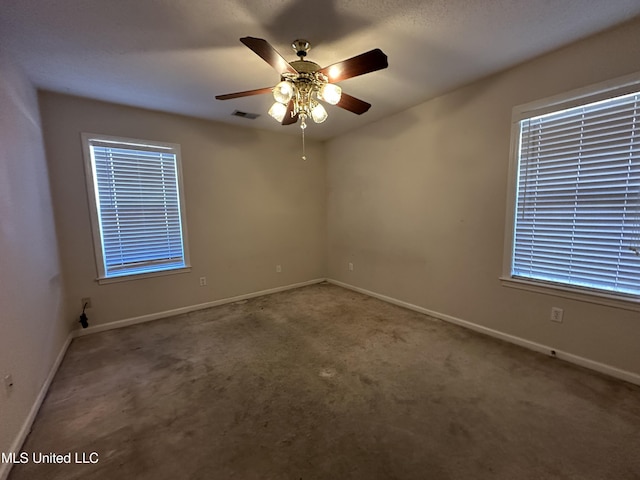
column 278, row 111
column 318, row 113
column 283, row 92
column 331, row 93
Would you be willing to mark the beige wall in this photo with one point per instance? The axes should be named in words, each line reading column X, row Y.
column 417, row 202
column 251, row 204
column 33, row 324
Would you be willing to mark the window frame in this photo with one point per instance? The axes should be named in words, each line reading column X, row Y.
column 574, row 98
column 91, row 180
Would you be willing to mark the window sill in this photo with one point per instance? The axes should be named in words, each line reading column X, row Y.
column 598, row 298
column 140, row 276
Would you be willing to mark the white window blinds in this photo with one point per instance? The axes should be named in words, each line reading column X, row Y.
column 138, row 207
column 577, row 219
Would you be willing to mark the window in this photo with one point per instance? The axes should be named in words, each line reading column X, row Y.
column 576, row 214
column 137, row 208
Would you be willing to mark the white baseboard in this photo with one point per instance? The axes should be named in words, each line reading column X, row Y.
column 5, row 468
column 191, row 308
column 625, row 375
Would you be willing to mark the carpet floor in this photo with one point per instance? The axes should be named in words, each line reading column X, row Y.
column 325, row 383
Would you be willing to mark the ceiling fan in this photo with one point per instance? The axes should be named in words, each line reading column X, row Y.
column 304, row 83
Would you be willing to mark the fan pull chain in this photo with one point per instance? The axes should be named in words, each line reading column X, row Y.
column 303, row 126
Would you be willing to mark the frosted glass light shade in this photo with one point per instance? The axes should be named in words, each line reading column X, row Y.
column 318, row 113
column 331, row 93
column 283, row 92
column 277, row 111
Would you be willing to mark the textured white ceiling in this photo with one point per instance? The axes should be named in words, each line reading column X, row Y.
column 176, row 55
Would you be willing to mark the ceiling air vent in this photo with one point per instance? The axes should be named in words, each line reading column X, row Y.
column 250, row 116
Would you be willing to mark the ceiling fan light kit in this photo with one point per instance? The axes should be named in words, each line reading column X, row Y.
column 304, row 88
column 330, row 93
column 303, row 84
column 278, row 111
column 283, row 92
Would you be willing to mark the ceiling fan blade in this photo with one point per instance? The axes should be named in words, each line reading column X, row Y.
column 353, row 104
column 288, row 118
column 248, row 93
column 264, row 50
column 364, row 63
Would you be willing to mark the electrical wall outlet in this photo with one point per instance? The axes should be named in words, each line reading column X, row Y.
column 278, row 268
column 8, row 383
column 203, row 281
column 350, row 267
column 556, row 314
column 85, row 301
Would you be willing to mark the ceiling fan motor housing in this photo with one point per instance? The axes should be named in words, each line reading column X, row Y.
column 305, row 66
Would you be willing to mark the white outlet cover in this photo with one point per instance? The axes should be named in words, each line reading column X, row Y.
column 556, row 314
